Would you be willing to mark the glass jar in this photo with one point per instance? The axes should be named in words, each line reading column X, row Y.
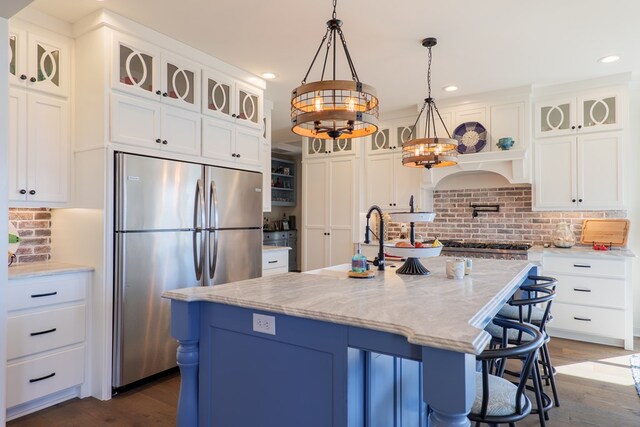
column 563, row 236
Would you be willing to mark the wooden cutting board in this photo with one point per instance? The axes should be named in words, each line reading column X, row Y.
column 605, row 231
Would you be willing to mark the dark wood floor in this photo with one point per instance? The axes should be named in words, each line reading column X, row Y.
column 609, row 400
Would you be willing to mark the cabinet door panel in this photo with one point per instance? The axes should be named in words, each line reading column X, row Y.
column 555, row 117
column 17, row 57
column 218, row 139
column 135, row 67
column 180, row 83
column 135, row 121
column 249, row 148
column 406, row 183
column 555, row 173
column 218, row 95
column 600, row 171
column 341, row 193
column 316, row 193
column 341, row 245
column 380, row 181
column 473, row 115
column 49, row 65
column 48, row 148
column 315, row 248
column 508, row 121
column 600, row 111
column 17, row 144
column 249, row 106
column 181, row 130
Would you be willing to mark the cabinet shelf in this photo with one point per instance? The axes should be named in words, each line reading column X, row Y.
column 281, row 195
column 282, row 188
column 282, row 175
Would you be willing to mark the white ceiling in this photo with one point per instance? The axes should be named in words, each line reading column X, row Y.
column 482, row 45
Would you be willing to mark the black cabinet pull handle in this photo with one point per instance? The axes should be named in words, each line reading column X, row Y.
column 581, row 290
column 32, row 192
column 272, row 262
column 158, row 92
column 23, row 77
column 23, row 191
column 582, row 265
column 48, row 331
column 32, row 80
column 165, row 94
column 35, row 380
column 48, row 294
column 158, row 140
column 164, row 141
column 582, row 319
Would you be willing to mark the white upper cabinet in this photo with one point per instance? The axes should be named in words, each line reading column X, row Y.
column 231, row 145
column 594, row 111
column 135, row 67
column 228, row 99
column 389, row 138
column 316, row 147
column 39, row 62
column 180, row 82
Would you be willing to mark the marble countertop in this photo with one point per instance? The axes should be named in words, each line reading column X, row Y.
column 432, row 311
column 20, row 271
column 266, row 248
column 583, row 251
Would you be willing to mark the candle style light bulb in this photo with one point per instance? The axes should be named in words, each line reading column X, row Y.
column 351, row 104
column 318, row 104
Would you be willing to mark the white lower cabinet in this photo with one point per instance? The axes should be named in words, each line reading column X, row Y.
column 593, row 298
column 46, row 327
column 275, row 261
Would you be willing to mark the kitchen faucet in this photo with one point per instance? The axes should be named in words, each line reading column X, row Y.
column 379, row 261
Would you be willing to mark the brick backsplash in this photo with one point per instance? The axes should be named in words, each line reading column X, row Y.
column 515, row 221
column 34, row 228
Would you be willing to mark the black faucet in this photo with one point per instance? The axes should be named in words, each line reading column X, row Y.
column 379, row 261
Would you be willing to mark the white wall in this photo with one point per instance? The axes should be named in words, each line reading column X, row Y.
column 632, row 195
column 4, row 209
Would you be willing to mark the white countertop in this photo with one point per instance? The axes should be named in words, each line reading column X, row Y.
column 19, row 271
column 428, row 310
column 583, row 251
column 266, row 248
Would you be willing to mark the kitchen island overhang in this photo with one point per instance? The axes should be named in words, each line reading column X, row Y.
column 228, row 366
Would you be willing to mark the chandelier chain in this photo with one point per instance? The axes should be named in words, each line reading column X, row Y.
column 429, row 74
column 335, row 4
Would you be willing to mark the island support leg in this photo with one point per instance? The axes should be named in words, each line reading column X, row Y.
column 448, row 386
column 185, row 320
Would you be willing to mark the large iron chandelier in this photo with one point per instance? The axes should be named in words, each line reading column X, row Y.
column 429, row 152
column 334, row 109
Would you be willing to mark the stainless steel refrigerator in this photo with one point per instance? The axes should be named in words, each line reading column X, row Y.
column 177, row 224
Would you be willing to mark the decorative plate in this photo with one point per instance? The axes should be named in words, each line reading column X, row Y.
column 14, row 239
column 471, row 137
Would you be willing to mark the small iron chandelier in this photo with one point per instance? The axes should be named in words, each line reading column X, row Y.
column 429, row 152
column 334, row 109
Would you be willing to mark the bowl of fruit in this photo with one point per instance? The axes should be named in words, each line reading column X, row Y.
column 405, row 249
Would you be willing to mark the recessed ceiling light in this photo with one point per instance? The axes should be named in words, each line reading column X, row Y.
column 269, row 75
column 610, row 58
column 450, row 88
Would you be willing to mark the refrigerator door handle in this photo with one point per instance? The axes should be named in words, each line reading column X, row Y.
column 198, row 221
column 213, row 221
column 118, row 301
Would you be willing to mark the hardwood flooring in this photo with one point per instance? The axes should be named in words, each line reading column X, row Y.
column 594, row 383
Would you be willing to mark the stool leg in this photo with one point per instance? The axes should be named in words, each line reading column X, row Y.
column 537, row 391
column 552, row 377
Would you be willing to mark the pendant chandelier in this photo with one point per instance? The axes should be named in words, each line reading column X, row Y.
column 429, row 151
column 334, row 109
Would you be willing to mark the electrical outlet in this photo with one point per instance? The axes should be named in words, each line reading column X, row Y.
column 264, row 324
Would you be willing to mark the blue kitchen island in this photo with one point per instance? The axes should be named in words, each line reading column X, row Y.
column 289, row 350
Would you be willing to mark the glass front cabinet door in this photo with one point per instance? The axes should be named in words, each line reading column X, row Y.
column 218, row 96
column 249, row 106
column 555, row 117
column 180, row 83
column 600, row 111
column 135, row 68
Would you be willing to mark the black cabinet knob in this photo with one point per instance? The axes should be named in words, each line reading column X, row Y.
column 238, row 155
column 233, row 154
column 164, row 141
column 23, row 77
column 329, row 152
column 573, row 127
column 579, row 126
column 580, row 200
column 158, row 92
column 165, row 94
column 32, row 79
column 32, row 192
column 573, row 200
column 234, row 115
column 158, row 140
column 23, row 191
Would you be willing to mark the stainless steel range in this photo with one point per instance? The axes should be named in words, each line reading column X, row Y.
column 490, row 250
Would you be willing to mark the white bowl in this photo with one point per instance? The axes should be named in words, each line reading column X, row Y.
column 424, row 252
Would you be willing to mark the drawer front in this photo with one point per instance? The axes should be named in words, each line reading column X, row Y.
column 45, row 330
column 590, row 291
column 44, row 375
column 588, row 320
column 273, row 271
column 46, row 290
column 585, row 266
column 275, row 259
column 273, row 236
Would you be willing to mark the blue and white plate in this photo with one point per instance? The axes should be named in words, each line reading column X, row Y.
column 471, row 137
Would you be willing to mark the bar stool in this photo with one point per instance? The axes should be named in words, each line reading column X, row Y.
column 534, row 316
column 523, row 302
column 497, row 399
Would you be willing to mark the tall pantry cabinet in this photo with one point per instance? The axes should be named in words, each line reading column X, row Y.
column 141, row 92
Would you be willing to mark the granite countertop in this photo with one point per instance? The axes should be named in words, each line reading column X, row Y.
column 583, row 251
column 432, row 310
column 266, row 248
column 36, row 269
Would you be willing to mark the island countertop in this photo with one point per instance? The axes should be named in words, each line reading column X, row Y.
column 429, row 310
